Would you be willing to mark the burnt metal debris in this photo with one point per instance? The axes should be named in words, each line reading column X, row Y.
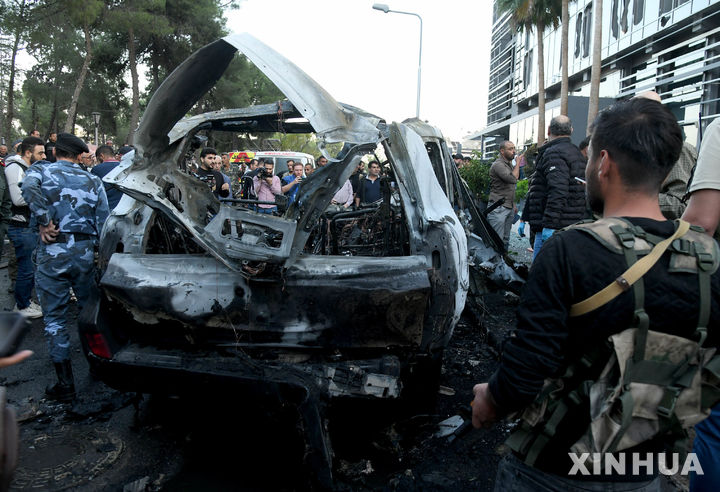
column 198, row 294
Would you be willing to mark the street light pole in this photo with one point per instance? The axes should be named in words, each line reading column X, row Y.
column 384, row 8
column 96, row 119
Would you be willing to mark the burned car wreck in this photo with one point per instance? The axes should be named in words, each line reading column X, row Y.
column 304, row 307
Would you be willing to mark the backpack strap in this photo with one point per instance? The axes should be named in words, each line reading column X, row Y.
column 631, row 275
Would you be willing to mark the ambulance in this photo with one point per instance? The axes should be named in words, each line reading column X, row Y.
column 278, row 157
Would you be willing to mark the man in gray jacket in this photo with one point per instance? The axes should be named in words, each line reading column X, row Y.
column 503, row 179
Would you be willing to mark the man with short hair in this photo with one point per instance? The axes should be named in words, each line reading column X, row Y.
column 35, row 133
column 458, row 158
column 309, row 169
column 503, row 179
column 357, row 175
column 207, row 170
column 218, row 166
column 562, row 333
column 556, row 198
column 125, row 149
column 321, row 161
column 50, row 146
column 70, row 207
column 247, row 185
column 583, row 147
column 106, row 157
column 369, row 188
column 87, row 161
column 3, row 152
column 266, row 188
column 291, row 184
column 23, row 237
column 290, row 164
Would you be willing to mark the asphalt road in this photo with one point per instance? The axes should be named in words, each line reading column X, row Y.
column 107, row 440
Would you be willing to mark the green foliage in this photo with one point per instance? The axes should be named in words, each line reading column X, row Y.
column 521, row 190
column 477, row 176
column 526, row 14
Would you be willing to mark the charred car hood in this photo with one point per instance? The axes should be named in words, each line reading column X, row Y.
column 152, row 175
column 331, row 121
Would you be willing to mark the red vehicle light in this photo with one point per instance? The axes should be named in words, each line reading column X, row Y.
column 98, row 345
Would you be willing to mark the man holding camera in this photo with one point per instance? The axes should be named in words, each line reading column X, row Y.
column 207, row 172
column 266, row 187
column 291, row 183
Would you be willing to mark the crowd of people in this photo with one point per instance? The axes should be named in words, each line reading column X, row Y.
column 612, row 359
column 257, row 182
column 617, row 325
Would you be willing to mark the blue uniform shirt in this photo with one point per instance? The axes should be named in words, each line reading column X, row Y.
column 113, row 194
column 292, row 191
column 65, row 193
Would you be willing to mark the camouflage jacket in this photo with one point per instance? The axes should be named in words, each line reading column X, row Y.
column 63, row 192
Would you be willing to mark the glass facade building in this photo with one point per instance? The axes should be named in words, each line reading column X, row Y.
column 669, row 46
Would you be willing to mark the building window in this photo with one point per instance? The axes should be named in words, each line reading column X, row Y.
column 527, row 69
column 587, row 34
column 667, row 5
column 578, row 34
column 638, row 11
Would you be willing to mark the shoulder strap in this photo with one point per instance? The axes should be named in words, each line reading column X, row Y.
column 627, row 279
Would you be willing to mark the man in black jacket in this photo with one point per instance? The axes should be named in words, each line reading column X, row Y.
column 634, row 146
column 556, row 198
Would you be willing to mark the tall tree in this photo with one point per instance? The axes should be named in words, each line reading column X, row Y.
column 138, row 21
column 535, row 15
column 15, row 21
column 594, row 101
column 84, row 14
column 565, row 82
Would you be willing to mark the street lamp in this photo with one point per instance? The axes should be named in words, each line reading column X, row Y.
column 96, row 119
column 384, row 8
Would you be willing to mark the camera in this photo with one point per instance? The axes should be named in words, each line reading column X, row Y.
column 264, row 173
column 207, row 179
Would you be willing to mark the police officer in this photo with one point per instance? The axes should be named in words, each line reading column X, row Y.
column 69, row 206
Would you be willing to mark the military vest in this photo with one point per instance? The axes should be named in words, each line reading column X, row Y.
column 652, row 384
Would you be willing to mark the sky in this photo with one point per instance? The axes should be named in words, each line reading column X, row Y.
column 369, row 59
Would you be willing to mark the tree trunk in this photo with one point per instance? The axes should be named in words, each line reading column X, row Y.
column 541, row 84
column 33, row 115
column 10, row 114
column 564, row 85
column 135, row 106
column 70, row 122
column 594, row 102
column 53, row 117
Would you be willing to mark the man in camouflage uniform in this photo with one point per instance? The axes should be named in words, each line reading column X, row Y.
column 70, row 207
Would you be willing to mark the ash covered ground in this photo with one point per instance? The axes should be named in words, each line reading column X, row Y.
column 109, row 440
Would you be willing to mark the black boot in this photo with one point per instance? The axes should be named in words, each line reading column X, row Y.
column 64, row 389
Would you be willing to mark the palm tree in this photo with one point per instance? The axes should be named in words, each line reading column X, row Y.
column 564, row 85
column 594, row 102
column 534, row 14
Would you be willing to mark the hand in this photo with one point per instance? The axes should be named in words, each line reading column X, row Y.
column 484, row 412
column 225, row 186
column 48, row 233
column 15, row 358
